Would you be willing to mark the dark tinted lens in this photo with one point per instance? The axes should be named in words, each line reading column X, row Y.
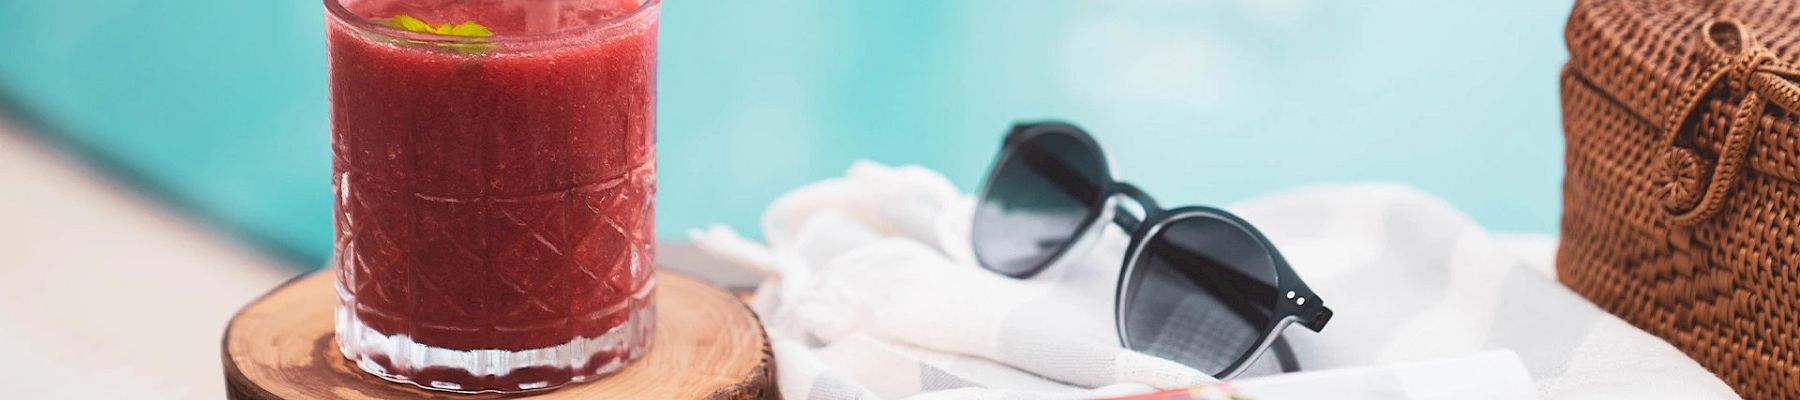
column 1035, row 202
column 1202, row 293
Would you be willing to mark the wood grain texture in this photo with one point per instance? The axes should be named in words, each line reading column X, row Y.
column 708, row 345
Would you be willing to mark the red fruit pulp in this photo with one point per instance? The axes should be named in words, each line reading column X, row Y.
column 497, row 199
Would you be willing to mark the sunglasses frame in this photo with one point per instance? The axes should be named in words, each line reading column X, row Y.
column 1295, row 302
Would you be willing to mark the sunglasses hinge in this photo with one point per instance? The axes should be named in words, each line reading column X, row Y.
column 1319, row 317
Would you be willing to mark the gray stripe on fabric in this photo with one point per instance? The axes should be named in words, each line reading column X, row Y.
column 831, row 386
column 1023, row 344
column 1546, row 341
column 934, row 378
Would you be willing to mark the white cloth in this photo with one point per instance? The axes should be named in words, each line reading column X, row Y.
column 872, row 292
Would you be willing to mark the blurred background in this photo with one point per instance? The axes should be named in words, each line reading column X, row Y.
column 218, row 107
column 151, row 134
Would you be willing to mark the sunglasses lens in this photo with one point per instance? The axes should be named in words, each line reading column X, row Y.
column 1035, row 202
column 1202, row 293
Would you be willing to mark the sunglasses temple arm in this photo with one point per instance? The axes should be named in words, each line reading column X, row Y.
column 1284, row 354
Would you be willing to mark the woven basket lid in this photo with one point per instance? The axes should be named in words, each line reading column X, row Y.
column 1645, row 53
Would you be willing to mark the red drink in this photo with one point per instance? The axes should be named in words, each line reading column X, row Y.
column 495, row 194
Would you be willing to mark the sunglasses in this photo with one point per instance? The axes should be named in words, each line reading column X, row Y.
column 1200, row 286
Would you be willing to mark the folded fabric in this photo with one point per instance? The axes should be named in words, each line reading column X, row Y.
column 872, row 292
column 1490, row 375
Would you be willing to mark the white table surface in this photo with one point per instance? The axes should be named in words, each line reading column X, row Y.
column 105, row 294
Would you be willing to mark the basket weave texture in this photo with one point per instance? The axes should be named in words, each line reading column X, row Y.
column 1681, row 200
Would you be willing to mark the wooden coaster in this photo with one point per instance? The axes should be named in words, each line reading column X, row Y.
column 708, row 345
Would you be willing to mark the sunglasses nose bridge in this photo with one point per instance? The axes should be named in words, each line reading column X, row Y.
column 1125, row 212
column 1131, row 206
column 1138, row 196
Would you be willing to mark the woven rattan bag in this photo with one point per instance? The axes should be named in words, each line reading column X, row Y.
column 1682, row 194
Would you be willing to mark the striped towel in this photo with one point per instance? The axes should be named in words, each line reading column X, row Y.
column 871, row 292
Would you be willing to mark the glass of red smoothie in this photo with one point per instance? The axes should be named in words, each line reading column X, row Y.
column 495, row 176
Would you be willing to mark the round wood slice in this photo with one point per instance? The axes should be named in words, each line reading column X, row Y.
column 708, row 345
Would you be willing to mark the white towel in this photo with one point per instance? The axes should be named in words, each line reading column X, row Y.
column 872, row 292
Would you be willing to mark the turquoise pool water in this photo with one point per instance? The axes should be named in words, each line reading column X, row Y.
column 221, row 103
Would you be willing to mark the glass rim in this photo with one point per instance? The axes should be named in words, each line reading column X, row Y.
column 336, row 9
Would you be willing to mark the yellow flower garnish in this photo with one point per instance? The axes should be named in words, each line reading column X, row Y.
column 469, row 29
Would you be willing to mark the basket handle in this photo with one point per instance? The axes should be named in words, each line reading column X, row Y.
column 1689, row 193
